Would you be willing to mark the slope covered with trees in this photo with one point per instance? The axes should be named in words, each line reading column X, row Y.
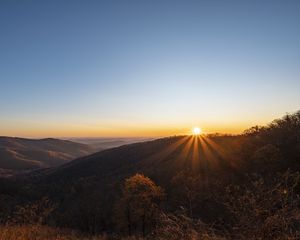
column 185, row 187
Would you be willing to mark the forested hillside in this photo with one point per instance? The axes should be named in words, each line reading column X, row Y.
column 186, row 187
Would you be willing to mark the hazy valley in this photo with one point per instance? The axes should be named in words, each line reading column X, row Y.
column 18, row 155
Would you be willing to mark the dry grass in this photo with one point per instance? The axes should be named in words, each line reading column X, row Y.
column 38, row 232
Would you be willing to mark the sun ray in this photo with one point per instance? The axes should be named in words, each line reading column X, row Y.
column 208, row 154
column 161, row 155
column 185, row 152
column 222, row 155
column 215, row 147
column 196, row 154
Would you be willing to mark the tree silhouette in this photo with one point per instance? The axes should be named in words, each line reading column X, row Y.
column 139, row 204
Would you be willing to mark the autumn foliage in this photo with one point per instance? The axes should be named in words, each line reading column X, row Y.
column 138, row 208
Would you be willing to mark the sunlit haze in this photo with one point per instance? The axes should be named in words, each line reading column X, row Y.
column 146, row 68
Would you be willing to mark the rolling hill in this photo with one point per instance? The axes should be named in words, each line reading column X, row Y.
column 105, row 143
column 88, row 187
column 211, row 169
column 26, row 154
column 159, row 157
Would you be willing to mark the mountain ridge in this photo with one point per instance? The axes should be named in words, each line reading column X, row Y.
column 27, row 154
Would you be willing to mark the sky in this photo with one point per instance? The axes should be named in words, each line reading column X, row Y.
column 146, row 68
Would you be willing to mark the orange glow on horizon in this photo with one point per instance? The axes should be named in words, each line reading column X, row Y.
column 104, row 133
column 111, row 131
column 67, row 128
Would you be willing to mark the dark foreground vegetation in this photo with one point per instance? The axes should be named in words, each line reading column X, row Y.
column 207, row 187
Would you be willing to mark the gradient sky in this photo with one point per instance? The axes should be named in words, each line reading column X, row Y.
column 146, row 68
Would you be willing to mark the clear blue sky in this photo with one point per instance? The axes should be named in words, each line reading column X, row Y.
column 118, row 68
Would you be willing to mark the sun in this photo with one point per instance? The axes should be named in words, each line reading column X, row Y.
column 197, row 131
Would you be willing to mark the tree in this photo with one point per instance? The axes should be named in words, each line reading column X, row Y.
column 265, row 207
column 189, row 189
column 139, row 204
column 267, row 155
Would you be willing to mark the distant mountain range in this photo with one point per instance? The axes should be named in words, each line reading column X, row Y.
column 111, row 142
column 149, row 157
column 20, row 154
column 26, row 154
